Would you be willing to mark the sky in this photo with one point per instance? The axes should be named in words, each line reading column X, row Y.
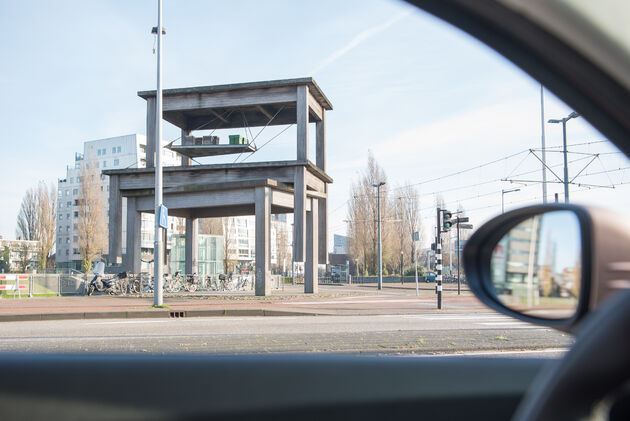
column 426, row 99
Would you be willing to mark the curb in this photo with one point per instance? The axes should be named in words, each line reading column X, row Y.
column 153, row 314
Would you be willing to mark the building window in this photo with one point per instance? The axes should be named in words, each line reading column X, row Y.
column 68, row 240
column 68, row 204
column 75, row 251
column 104, row 151
column 104, row 164
column 114, row 149
column 71, row 180
column 67, row 252
column 98, row 152
column 118, row 149
column 76, row 214
column 68, row 192
column 116, row 162
column 75, row 192
column 67, row 216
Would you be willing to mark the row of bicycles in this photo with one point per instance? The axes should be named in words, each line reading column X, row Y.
column 127, row 283
column 179, row 282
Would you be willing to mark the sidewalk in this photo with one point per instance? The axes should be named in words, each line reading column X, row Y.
column 331, row 300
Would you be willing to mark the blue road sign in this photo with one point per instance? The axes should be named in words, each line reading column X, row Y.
column 163, row 217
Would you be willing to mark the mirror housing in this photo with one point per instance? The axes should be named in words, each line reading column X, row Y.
column 605, row 259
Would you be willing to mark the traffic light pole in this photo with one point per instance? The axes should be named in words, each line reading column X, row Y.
column 438, row 260
column 459, row 284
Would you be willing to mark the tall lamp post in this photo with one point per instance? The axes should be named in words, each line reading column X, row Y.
column 564, row 150
column 503, row 193
column 378, row 217
column 157, row 245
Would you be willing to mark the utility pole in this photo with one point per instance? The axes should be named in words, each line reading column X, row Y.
column 542, row 138
column 380, row 255
column 157, row 245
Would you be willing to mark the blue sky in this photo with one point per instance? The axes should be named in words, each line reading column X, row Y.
column 427, row 99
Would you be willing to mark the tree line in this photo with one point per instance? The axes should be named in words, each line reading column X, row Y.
column 400, row 218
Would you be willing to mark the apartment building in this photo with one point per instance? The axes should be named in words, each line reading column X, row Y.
column 118, row 152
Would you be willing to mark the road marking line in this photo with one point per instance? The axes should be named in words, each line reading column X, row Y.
column 127, row 322
column 483, row 353
column 301, row 303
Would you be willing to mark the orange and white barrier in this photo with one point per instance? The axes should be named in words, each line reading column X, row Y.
column 14, row 282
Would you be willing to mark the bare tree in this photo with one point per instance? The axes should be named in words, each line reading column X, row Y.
column 92, row 226
column 46, row 217
column 27, row 217
column 362, row 216
column 211, row 226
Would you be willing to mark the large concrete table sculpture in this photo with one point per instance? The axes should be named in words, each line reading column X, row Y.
column 233, row 189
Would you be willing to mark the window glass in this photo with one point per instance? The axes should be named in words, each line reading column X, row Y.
column 430, row 116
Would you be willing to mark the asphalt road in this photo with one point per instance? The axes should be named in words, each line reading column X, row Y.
column 410, row 334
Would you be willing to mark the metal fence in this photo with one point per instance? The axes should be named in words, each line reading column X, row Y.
column 396, row 279
column 42, row 284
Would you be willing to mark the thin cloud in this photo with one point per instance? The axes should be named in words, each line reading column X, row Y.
column 357, row 40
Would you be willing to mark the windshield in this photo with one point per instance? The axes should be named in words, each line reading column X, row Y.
column 308, row 151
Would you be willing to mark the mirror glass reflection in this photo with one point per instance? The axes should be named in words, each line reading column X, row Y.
column 536, row 268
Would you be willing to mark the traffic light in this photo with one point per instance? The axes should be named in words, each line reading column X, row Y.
column 447, row 223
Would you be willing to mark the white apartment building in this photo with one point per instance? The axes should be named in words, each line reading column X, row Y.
column 118, row 152
column 241, row 246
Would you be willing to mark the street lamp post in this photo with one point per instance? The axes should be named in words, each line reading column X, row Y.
column 564, row 150
column 157, row 245
column 402, row 282
column 503, row 193
column 380, row 255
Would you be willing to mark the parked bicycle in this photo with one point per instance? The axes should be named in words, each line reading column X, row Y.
column 192, row 283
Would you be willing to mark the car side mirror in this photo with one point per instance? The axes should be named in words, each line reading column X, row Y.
column 549, row 264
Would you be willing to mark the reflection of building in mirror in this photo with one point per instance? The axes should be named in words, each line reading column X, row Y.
column 514, row 262
column 537, row 264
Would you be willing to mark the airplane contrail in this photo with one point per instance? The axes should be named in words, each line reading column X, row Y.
column 358, row 39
